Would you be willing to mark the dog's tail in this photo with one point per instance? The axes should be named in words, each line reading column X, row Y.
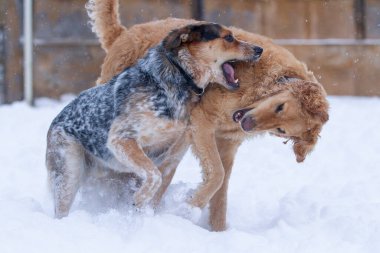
column 105, row 21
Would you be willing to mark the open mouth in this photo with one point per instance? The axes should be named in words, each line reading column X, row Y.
column 229, row 74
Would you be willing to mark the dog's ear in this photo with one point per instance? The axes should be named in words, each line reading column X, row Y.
column 304, row 145
column 191, row 33
column 313, row 100
column 176, row 37
column 301, row 149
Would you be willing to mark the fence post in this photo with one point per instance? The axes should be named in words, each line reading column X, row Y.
column 2, row 65
column 28, row 51
column 13, row 81
column 197, row 9
column 360, row 15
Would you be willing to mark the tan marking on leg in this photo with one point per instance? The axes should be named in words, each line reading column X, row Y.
column 129, row 153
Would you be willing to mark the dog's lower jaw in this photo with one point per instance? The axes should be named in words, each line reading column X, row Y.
column 217, row 76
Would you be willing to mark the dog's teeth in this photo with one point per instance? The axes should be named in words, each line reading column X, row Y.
column 237, row 80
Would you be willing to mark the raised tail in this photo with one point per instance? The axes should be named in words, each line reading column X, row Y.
column 105, row 21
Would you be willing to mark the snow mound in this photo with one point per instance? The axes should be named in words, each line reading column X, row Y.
column 330, row 203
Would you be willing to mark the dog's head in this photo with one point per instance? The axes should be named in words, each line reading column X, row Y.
column 206, row 50
column 296, row 112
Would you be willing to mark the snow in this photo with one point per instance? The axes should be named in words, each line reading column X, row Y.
column 330, row 203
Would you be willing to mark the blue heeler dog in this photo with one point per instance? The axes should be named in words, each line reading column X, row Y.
column 135, row 121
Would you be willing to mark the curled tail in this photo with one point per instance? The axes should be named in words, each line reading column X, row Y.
column 105, row 21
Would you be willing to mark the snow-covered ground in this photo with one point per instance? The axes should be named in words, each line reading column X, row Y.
column 330, row 203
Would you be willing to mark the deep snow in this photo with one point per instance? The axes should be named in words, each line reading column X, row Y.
column 330, row 203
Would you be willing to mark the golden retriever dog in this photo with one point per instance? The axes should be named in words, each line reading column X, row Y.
column 277, row 95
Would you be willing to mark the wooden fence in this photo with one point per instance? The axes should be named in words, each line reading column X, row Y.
column 338, row 39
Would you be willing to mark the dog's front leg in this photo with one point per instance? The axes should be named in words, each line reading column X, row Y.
column 204, row 147
column 218, row 203
column 129, row 153
column 168, row 168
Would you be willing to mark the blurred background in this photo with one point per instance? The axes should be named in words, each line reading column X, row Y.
column 338, row 39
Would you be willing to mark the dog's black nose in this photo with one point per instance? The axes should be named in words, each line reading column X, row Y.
column 258, row 50
column 248, row 123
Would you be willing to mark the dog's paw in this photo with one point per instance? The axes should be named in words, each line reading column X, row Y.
column 196, row 200
column 142, row 198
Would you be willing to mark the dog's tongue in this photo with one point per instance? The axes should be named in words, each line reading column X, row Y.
column 229, row 73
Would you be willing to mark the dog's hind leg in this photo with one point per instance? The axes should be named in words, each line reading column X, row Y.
column 65, row 164
column 130, row 154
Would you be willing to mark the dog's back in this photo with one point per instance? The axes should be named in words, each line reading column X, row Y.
column 88, row 119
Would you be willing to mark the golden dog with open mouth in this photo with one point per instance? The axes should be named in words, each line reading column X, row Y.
column 277, row 95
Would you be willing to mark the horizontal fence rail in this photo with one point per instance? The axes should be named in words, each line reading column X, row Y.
column 343, row 51
column 323, row 42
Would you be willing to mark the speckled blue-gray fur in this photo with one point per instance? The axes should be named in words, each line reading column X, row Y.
column 80, row 136
column 88, row 118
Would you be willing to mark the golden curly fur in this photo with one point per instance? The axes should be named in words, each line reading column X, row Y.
column 215, row 137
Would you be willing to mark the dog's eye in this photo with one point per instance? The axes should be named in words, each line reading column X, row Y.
column 279, row 108
column 229, row 38
column 286, row 79
column 281, row 131
column 281, row 79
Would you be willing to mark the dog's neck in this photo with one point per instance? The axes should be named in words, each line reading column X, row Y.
column 199, row 72
column 168, row 71
column 198, row 90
